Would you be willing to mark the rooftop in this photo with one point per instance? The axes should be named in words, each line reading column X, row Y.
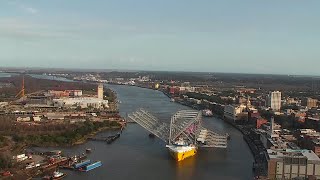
column 316, row 141
column 310, row 155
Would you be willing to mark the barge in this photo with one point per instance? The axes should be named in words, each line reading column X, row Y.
column 91, row 166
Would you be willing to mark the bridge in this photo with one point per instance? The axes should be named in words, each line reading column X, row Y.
column 186, row 124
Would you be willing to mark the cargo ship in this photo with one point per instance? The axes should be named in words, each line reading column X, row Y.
column 91, row 166
column 180, row 150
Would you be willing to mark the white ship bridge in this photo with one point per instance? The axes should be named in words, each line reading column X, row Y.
column 184, row 124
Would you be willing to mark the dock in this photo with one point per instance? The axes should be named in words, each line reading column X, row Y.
column 109, row 139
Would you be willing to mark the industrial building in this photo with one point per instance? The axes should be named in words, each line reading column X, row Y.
column 65, row 93
column 84, row 102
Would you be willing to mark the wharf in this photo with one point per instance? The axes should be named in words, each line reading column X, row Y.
column 108, row 139
column 257, row 149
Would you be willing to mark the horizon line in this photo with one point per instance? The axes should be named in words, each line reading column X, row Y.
column 141, row 70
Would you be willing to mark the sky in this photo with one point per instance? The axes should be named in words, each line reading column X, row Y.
column 241, row 36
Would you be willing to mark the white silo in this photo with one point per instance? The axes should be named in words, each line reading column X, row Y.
column 100, row 91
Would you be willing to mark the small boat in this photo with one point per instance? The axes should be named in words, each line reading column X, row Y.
column 151, row 135
column 228, row 136
column 207, row 113
column 32, row 165
column 172, row 100
column 56, row 175
column 88, row 150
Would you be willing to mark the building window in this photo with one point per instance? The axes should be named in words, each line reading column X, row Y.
column 295, row 160
column 303, row 161
column 288, row 160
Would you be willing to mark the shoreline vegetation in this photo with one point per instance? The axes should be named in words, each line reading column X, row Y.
column 68, row 138
column 15, row 137
column 18, row 143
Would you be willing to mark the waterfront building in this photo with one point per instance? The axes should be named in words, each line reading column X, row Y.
column 291, row 164
column 315, row 146
column 235, row 112
column 274, row 100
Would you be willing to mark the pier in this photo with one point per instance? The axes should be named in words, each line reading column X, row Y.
column 109, row 139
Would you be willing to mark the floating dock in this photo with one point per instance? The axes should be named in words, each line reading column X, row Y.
column 91, row 166
column 81, row 164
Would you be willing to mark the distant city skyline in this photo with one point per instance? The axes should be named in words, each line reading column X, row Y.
column 248, row 36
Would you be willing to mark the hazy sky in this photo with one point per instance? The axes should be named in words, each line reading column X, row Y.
column 252, row 36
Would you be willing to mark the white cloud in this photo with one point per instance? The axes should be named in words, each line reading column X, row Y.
column 30, row 10
column 25, row 8
column 18, row 28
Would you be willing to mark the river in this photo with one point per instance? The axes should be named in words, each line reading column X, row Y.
column 3, row 74
column 39, row 76
column 136, row 156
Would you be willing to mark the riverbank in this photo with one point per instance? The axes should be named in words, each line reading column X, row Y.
column 91, row 135
column 70, row 137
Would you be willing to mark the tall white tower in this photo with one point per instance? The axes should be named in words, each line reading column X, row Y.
column 274, row 100
column 100, row 91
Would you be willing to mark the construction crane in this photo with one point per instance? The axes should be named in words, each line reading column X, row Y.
column 22, row 91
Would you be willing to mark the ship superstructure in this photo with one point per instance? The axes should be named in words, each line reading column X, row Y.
column 184, row 134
